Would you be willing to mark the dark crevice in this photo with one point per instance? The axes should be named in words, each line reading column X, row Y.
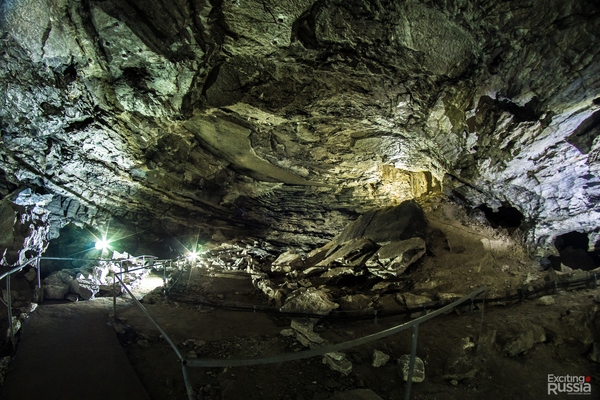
column 573, row 252
column 78, row 126
column 506, row 217
column 583, row 136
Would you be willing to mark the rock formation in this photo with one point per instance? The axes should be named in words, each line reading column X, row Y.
column 285, row 120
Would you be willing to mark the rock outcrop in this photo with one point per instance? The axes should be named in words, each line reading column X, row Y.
column 288, row 119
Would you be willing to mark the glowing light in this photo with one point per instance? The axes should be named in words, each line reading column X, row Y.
column 193, row 256
column 102, row 244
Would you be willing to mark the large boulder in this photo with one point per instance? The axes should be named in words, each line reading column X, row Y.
column 401, row 222
column 394, row 258
column 56, row 286
column 85, row 288
column 309, row 300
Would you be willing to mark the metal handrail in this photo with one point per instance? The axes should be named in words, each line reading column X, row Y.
column 167, row 338
column 186, row 362
column 336, row 347
column 8, row 302
column 186, row 378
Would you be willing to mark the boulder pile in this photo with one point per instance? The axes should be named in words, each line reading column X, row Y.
column 85, row 283
column 377, row 248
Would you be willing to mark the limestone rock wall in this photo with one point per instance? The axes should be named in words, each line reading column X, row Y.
column 287, row 119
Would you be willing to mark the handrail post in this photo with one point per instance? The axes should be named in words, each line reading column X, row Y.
column 40, row 296
column 114, row 295
column 165, row 277
column 9, row 306
column 411, row 365
column 186, row 379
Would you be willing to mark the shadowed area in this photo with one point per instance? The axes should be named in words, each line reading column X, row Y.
column 68, row 352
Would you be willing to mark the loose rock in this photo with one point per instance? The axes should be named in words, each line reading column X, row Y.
column 418, row 372
column 379, row 358
column 309, row 300
column 337, row 361
column 546, row 301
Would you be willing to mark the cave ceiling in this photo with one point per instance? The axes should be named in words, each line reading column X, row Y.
column 286, row 119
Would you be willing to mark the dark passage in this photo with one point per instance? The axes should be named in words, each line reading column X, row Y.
column 507, row 217
column 573, row 250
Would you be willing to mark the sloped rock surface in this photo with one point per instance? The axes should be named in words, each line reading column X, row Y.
column 289, row 119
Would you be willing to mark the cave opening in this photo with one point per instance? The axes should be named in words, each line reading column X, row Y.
column 507, row 217
column 73, row 242
column 573, row 252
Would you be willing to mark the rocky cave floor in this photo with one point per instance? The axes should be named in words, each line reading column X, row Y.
column 504, row 352
column 465, row 353
column 500, row 351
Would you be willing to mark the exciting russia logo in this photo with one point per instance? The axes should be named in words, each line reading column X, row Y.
column 576, row 385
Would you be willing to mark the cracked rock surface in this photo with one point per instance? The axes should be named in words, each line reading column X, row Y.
column 285, row 120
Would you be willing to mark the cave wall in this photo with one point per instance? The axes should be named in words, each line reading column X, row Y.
column 287, row 120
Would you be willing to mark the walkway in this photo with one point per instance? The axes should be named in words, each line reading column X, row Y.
column 69, row 352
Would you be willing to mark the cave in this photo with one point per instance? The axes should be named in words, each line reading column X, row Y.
column 573, row 249
column 272, row 200
column 506, row 217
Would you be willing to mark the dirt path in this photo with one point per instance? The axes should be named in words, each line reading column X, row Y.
column 69, row 352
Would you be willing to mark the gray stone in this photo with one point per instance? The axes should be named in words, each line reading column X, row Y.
column 29, row 308
column 16, row 326
column 418, row 372
column 84, row 288
column 31, row 275
column 287, row 262
column 339, row 271
column 412, row 300
column 379, row 358
column 55, row 288
column 393, row 258
column 337, row 361
column 72, row 297
column 546, row 301
column 350, row 253
column 355, row 302
column 523, row 341
column 386, row 286
column 287, row 332
column 459, row 369
column 309, row 300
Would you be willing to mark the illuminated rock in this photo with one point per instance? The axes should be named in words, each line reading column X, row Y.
column 418, row 371
column 309, row 300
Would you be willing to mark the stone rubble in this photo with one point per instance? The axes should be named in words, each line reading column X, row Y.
column 87, row 282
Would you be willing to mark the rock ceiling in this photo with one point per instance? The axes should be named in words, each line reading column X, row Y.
column 287, row 119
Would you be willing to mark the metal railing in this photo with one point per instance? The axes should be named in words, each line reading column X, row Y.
column 8, row 302
column 204, row 363
column 40, row 294
column 185, row 362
